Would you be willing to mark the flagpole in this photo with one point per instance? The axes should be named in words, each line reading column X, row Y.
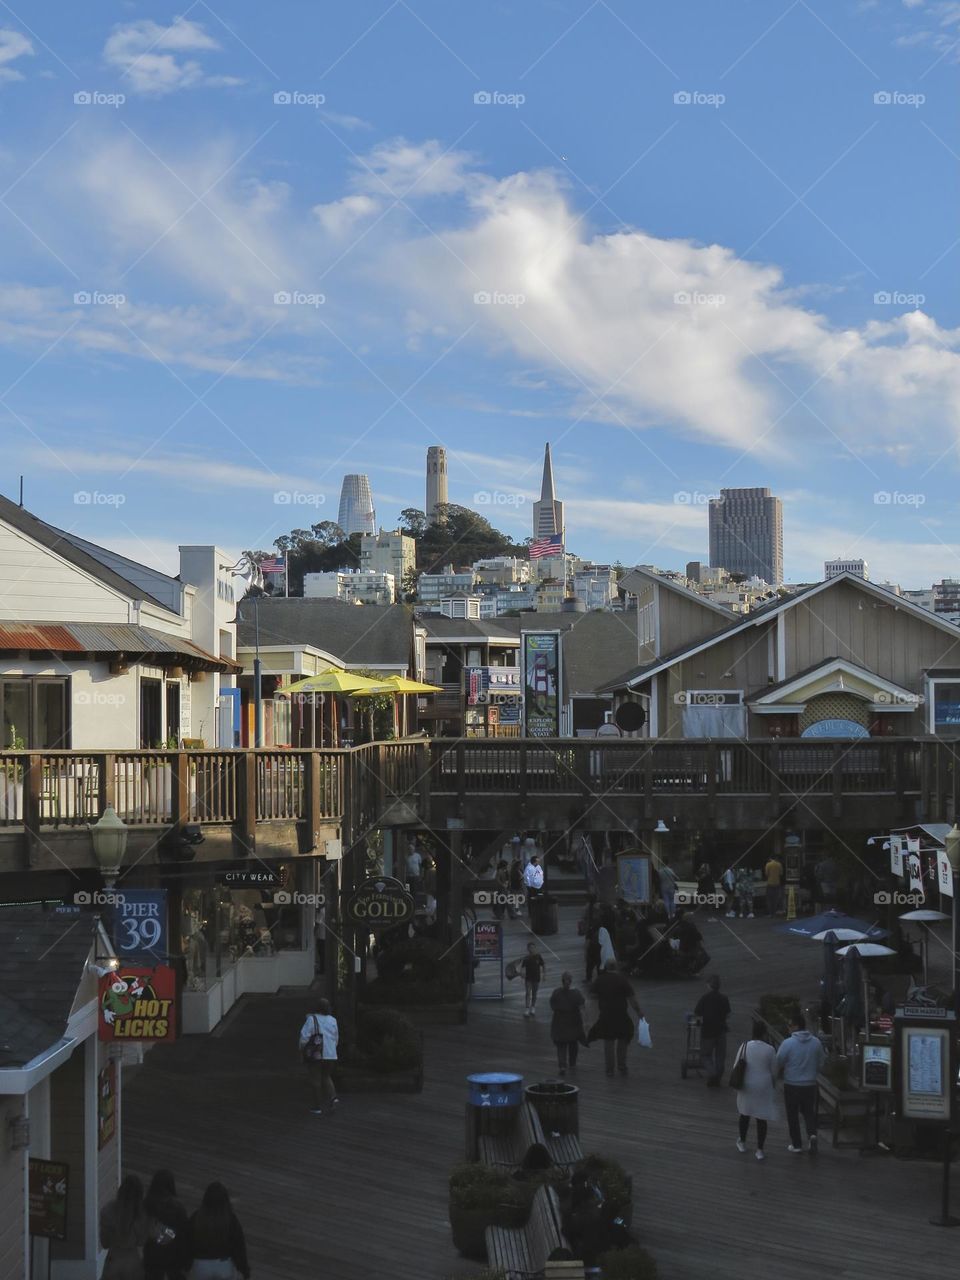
column 286, row 575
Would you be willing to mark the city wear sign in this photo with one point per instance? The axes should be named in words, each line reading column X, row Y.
column 138, row 1004
column 378, row 904
column 540, row 663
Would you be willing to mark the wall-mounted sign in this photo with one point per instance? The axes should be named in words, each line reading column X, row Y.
column 540, row 666
column 835, row 729
column 925, row 1064
column 633, row 877
column 261, row 878
column 138, row 1004
column 378, row 903
column 106, row 1104
column 140, row 926
column 487, row 940
column 49, row 1180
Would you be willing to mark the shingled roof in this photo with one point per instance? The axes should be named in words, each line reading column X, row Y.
column 43, row 955
column 369, row 635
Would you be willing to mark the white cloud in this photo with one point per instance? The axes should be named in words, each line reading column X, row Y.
column 13, row 45
column 152, row 57
column 342, row 216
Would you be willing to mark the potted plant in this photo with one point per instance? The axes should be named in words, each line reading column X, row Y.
column 386, row 1055
column 482, row 1197
column 632, row 1263
column 11, row 795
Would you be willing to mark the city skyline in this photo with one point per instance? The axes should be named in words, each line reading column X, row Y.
column 426, row 242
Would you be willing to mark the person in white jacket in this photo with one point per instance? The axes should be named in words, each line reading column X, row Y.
column 757, row 1099
column 319, row 1037
column 533, row 880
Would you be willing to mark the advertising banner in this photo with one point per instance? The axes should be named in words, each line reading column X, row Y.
column 896, row 856
column 944, row 873
column 138, row 1004
column 106, row 1104
column 48, row 1199
column 140, row 925
column 540, row 663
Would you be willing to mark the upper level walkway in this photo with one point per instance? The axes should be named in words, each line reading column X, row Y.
column 292, row 800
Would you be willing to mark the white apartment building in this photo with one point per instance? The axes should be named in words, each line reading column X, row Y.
column 433, row 587
column 393, row 552
column 596, row 585
column 360, row 586
column 834, row 568
column 501, row 571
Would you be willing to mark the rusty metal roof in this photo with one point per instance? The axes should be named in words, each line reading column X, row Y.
column 103, row 639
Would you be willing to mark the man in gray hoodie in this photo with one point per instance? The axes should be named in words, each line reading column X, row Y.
column 800, row 1058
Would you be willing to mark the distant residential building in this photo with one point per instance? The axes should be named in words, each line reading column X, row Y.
column 746, row 533
column 394, row 553
column 435, row 586
column 596, row 585
column 361, row 587
column 356, row 506
column 551, row 593
column 548, row 512
column 503, row 600
column 700, row 574
column 436, row 480
column 833, row 568
column 925, row 599
column 946, row 596
column 501, row 571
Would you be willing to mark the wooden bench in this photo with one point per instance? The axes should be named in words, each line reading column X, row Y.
column 508, row 1149
column 523, row 1252
column 846, row 1105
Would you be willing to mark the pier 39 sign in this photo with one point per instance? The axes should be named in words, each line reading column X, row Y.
column 378, row 903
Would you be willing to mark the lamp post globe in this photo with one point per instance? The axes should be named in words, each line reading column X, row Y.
column 109, row 837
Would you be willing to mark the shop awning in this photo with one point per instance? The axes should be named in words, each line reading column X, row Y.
column 113, row 640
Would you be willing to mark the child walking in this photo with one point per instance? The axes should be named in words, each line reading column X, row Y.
column 534, row 968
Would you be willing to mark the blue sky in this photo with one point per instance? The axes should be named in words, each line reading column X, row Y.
column 691, row 245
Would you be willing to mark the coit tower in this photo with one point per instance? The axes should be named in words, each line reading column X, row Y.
column 436, row 480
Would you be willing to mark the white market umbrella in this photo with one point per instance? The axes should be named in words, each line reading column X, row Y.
column 867, row 950
column 841, row 935
column 924, row 916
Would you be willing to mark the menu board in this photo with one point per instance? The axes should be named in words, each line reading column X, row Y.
column 924, row 1083
column 924, row 1069
column 877, row 1065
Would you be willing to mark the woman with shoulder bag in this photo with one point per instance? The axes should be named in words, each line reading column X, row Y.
column 754, row 1076
column 216, row 1239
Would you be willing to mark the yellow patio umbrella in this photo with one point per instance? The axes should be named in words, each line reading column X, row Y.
column 398, row 685
column 334, row 680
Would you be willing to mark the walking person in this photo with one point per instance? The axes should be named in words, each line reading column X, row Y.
column 729, row 881
column 744, row 891
column 504, row 887
column 757, row 1099
column 773, row 874
column 799, row 1060
column 713, row 1010
column 319, row 1037
column 566, row 1026
column 216, row 1239
column 591, row 957
column 608, row 955
column 533, row 882
column 614, row 995
column 166, row 1253
column 533, row 967
column 668, row 886
column 123, row 1232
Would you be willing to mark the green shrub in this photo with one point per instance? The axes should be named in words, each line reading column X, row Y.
column 417, row 971
column 613, row 1180
column 479, row 1188
column 386, row 1041
column 633, row 1263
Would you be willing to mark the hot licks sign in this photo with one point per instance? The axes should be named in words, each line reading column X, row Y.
column 138, row 1004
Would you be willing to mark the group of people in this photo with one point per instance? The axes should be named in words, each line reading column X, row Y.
column 152, row 1237
column 646, row 940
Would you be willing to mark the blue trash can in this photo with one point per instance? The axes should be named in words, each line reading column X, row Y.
column 494, row 1103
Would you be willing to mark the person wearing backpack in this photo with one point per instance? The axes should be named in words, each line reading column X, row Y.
column 319, row 1036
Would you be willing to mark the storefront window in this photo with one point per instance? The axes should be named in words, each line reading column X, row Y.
column 34, row 714
column 946, row 706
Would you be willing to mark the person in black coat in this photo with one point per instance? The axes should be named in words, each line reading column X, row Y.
column 166, row 1254
column 566, row 1026
column 216, row 1237
column 614, row 995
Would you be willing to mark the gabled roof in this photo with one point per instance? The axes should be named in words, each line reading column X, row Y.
column 43, row 956
column 883, row 694
column 439, row 627
column 757, row 617
column 659, row 580
column 368, row 635
column 64, row 545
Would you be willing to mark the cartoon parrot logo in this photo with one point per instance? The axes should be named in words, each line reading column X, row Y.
column 117, row 1000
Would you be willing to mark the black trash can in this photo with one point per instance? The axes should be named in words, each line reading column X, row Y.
column 557, row 1105
column 544, row 915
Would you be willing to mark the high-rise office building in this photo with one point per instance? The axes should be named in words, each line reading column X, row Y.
column 436, row 480
column 356, row 506
column 746, row 534
column 548, row 512
column 834, row 568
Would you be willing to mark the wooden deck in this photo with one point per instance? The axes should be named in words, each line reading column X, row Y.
column 363, row 1195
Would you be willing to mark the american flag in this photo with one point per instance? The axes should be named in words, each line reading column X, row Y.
column 273, row 564
column 549, row 546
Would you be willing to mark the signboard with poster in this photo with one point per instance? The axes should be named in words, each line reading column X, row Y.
column 540, row 666
column 486, row 945
column 49, row 1180
column 944, row 873
column 925, row 1064
column 896, row 856
column 106, row 1104
column 138, row 1004
column 633, row 877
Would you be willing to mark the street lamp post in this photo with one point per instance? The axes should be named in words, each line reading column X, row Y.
column 109, row 837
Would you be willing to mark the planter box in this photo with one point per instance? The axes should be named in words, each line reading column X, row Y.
column 426, row 1015
column 360, row 1080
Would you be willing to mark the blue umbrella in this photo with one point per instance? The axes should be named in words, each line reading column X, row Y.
column 831, row 970
column 807, row 927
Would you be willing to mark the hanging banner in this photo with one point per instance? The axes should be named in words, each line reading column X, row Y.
column 106, row 1104
column 914, row 872
column 48, row 1199
column 896, row 856
column 138, row 1004
column 540, row 675
column 140, row 926
column 944, row 873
